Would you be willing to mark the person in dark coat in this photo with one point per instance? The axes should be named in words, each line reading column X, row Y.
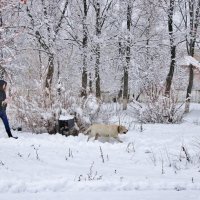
column 3, row 105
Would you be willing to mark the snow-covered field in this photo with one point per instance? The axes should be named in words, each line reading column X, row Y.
column 162, row 161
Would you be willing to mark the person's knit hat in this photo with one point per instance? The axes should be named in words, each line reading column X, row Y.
column 2, row 82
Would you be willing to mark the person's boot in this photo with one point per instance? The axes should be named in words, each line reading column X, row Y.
column 10, row 135
column 14, row 137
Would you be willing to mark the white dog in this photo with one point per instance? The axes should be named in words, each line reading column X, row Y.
column 112, row 130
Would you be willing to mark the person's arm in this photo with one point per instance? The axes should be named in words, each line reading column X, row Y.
column 8, row 99
column 2, row 97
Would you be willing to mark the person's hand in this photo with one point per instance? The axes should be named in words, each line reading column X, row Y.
column 4, row 103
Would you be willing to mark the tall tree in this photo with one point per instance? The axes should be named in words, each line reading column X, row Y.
column 2, row 70
column 7, row 9
column 97, row 49
column 47, row 37
column 191, row 24
column 85, row 50
column 172, row 47
column 101, row 12
column 128, row 55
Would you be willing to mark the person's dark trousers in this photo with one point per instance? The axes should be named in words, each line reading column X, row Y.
column 4, row 118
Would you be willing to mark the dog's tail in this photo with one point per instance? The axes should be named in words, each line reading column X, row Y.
column 86, row 132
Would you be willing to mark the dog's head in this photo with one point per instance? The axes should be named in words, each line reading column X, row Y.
column 122, row 130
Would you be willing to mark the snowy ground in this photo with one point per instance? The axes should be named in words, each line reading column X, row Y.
column 148, row 165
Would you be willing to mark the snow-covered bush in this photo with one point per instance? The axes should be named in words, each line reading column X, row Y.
column 157, row 107
column 96, row 111
column 34, row 116
column 91, row 107
column 39, row 114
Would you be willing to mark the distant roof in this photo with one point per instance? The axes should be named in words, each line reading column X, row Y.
column 189, row 60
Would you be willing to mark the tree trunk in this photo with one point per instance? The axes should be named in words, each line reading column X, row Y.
column 97, row 76
column 122, row 63
column 49, row 76
column 171, row 71
column 194, row 23
column 40, row 60
column 2, row 69
column 90, row 83
column 189, row 89
column 97, row 50
column 128, row 52
column 125, row 91
column 85, row 44
column 172, row 49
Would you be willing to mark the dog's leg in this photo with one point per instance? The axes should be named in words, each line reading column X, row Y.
column 117, row 139
column 96, row 136
column 85, row 132
column 89, row 138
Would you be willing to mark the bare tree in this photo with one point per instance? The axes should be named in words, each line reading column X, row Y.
column 125, row 50
column 7, row 35
column 84, row 46
column 172, row 47
column 47, row 44
column 2, row 70
column 101, row 16
column 128, row 55
column 191, row 20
